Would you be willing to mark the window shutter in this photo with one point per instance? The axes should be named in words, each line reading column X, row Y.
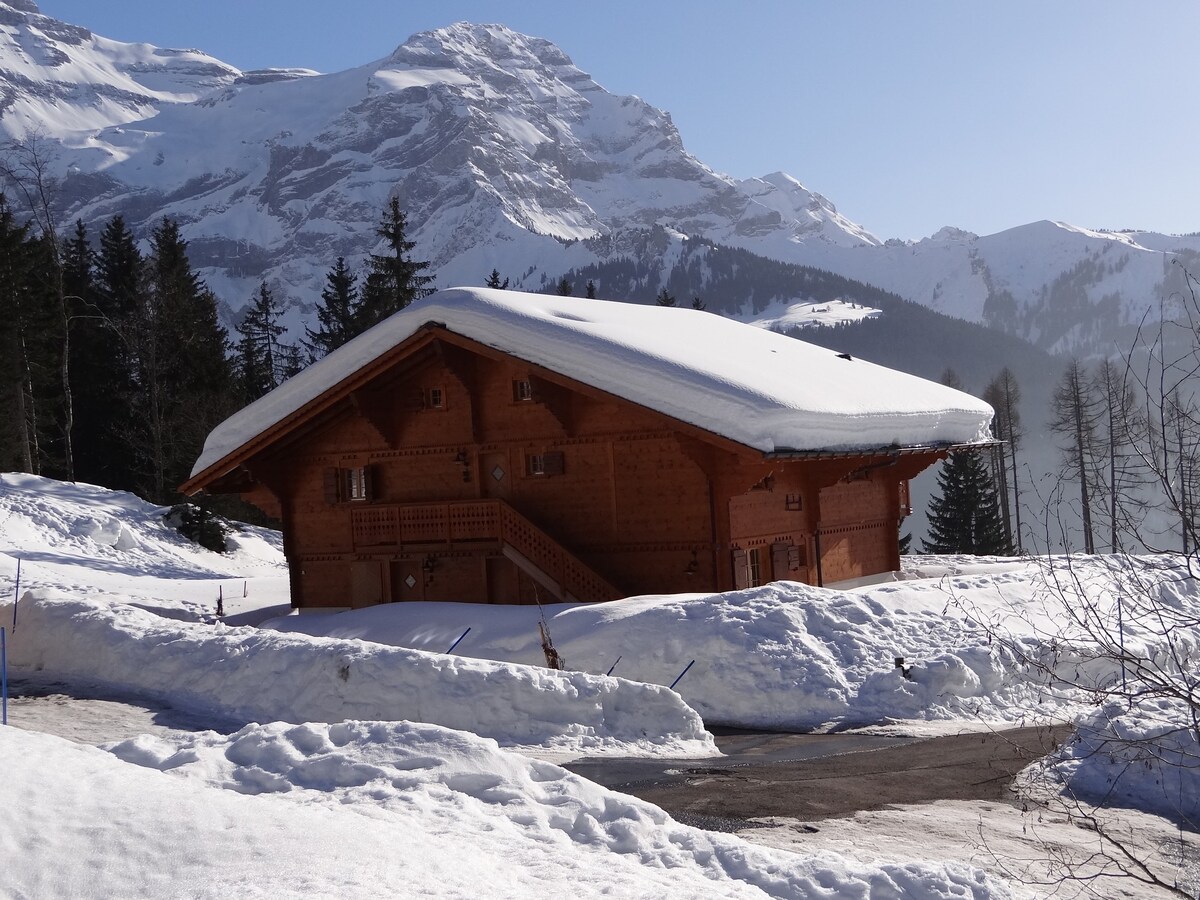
column 780, row 560
column 553, row 463
column 369, row 482
column 741, row 568
column 331, row 486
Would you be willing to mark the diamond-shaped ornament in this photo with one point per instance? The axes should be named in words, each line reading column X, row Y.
column 498, row 473
column 410, row 581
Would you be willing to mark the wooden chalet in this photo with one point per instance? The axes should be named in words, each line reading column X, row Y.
column 499, row 447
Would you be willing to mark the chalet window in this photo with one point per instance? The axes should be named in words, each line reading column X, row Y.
column 353, row 484
column 522, row 390
column 754, row 565
column 435, row 399
column 793, row 503
column 545, row 464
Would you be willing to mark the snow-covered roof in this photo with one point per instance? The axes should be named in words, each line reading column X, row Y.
column 752, row 386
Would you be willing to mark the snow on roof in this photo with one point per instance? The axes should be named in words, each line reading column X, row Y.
column 761, row 389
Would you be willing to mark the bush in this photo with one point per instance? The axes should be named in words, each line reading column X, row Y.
column 199, row 525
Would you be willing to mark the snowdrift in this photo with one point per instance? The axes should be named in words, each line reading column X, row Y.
column 364, row 809
column 784, row 656
column 253, row 675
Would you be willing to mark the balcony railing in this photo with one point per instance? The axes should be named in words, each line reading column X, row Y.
column 464, row 521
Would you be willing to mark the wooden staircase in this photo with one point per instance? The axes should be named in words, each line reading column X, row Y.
column 466, row 522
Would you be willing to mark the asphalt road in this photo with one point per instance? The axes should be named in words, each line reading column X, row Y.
column 812, row 777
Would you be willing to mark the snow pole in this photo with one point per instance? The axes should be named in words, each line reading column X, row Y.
column 460, row 637
column 220, row 602
column 16, row 595
column 681, row 674
column 245, row 588
column 3, row 678
column 613, row 666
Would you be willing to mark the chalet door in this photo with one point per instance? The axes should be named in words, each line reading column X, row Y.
column 366, row 584
column 496, row 475
column 408, row 580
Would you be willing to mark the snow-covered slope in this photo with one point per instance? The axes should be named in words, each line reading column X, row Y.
column 504, row 154
column 61, row 81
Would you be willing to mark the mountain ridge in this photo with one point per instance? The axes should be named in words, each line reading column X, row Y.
column 505, row 155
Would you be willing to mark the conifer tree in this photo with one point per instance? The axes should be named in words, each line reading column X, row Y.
column 1004, row 395
column 589, row 290
column 564, row 288
column 261, row 355
column 495, row 282
column 337, row 313
column 664, row 299
column 699, row 304
column 964, row 517
column 1076, row 413
column 394, row 279
column 17, row 442
column 184, row 378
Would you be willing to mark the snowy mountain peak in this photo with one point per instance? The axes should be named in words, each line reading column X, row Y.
column 58, row 79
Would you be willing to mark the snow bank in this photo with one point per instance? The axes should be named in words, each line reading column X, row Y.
column 1146, row 757
column 249, row 674
column 364, row 809
column 755, row 387
column 83, row 539
column 785, row 655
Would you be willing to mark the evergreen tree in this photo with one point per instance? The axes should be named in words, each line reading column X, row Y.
column 184, row 378
column 99, row 381
column 17, row 443
column 495, row 282
column 260, row 354
column 337, row 313
column 1004, row 395
column 964, row 517
column 699, row 304
column 589, row 290
column 1076, row 413
column 1123, row 431
column 119, row 298
column 564, row 288
column 664, row 299
column 394, row 279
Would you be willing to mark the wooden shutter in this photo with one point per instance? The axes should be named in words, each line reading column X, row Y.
column 553, row 463
column 741, row 568
column 330, row 485
column 780, row 561
column 370, row 482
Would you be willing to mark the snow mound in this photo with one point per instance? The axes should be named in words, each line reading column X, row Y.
column 401, row 772
column 1146, row 757
column 785, row 655
column 249, row 675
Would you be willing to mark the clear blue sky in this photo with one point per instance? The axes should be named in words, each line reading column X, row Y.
column 908, row 116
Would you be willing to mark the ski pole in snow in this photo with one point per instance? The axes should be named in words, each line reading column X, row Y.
column 220, row 603
column 460, row 637
column 681, row 674
column 3, row 679
column 613, row 666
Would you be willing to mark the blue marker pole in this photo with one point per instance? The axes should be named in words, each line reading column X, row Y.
column 613, row 666
column 460, row 637
column 681, row 674
column 3, row 679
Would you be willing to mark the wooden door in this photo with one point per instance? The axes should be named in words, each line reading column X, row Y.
column 366, row 584
column 408, row 580
column 496, row 475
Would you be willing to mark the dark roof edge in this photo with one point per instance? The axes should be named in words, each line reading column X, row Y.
column 877, row 451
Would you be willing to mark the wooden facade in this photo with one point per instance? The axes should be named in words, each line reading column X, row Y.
column 448, row 470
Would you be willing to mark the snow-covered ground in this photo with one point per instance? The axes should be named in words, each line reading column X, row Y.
column 336, row 726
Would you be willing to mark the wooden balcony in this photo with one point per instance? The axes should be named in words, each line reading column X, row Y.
column 466, row 522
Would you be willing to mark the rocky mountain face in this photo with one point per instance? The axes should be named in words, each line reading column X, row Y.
column 505, row 155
